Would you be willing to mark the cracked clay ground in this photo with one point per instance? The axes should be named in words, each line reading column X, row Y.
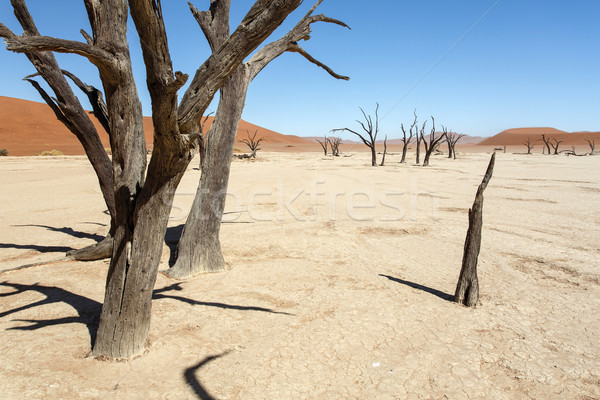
column 339, row 284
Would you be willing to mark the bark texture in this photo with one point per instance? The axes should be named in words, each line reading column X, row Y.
column 467, row 288
column 199, row 248
column 70, row 112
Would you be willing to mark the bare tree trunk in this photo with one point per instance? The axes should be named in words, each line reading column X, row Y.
column 199, row 248
column 467, row 288
column 418, row 160
column 404, row 149
column 384, row 151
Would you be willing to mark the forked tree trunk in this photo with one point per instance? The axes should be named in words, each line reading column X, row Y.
column 199, row 248
column 467, row 288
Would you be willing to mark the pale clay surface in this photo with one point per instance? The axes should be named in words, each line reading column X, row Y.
column 338, row 287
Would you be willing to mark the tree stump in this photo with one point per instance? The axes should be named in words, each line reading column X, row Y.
column 467, row 288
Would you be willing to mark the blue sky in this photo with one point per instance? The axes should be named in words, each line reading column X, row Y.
column 478, row 66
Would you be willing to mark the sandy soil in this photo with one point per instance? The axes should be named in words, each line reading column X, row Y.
column 339, row 284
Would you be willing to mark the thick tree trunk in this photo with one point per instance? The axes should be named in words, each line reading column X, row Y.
column 450, row 149
column 199, row 248
column 467, row 288
column 126, row 312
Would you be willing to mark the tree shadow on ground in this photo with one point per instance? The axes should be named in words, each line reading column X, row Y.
column 194, row 383
column 41, row 249
column 88, row 310
column 435, row 292
column 69, row 231
column 160, row 294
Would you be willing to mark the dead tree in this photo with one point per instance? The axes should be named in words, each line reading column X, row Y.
column 529, row 145
column 467, row 288
column 199, row 248
column 252, row 142
column 546, row 144
column 202, row 138
column 592, row 144
column 371, row 130
column 406, row 140
column 555, row 145
column 143, row 198
column 324, row 144
column 335, row 142
column 384, row 151
column 418, row 140
column 434, row 142
column 451, row 139
column 69, row 111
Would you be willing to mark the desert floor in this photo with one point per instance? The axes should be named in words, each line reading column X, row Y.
column 340, row 284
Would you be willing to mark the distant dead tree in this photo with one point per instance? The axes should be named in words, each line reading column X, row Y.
column 451, row 139
column 252, row 142
column 334, row 143
column 324, row 144
column 555, row 145
column 371, row 129
column 467, row 288
column 434, row 142
column 406, row 140
column 546, row 144
column 384, row 151
column 420, row 138
column 592, row 144
column 529, row 145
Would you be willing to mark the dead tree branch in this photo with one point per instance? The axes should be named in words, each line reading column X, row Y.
column 324, row 144
column 371, row 130
column 252, row 142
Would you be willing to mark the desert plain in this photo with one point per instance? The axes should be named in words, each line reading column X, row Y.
column 340, row 283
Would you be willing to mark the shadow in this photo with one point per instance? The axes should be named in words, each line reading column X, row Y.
column 172, row 240
column 41, row 249
column 88, row 310
column 435, row 292
column 159, row 294
column 194, row 383
column 70, row 232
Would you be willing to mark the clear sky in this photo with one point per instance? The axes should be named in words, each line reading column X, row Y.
column 478, row 67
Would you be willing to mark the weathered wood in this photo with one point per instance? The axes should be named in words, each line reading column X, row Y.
column 406, row 140
column 433, row 144
column 384, row 151
column 467, row 288
column 324, row 144
column 371, row 130
column 335, row 143
column 529, row 145
column 199, row 248
column 452, row 139
column 70, row 112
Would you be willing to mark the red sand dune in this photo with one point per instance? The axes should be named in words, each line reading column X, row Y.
column 518, row 136
column 29, row 128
